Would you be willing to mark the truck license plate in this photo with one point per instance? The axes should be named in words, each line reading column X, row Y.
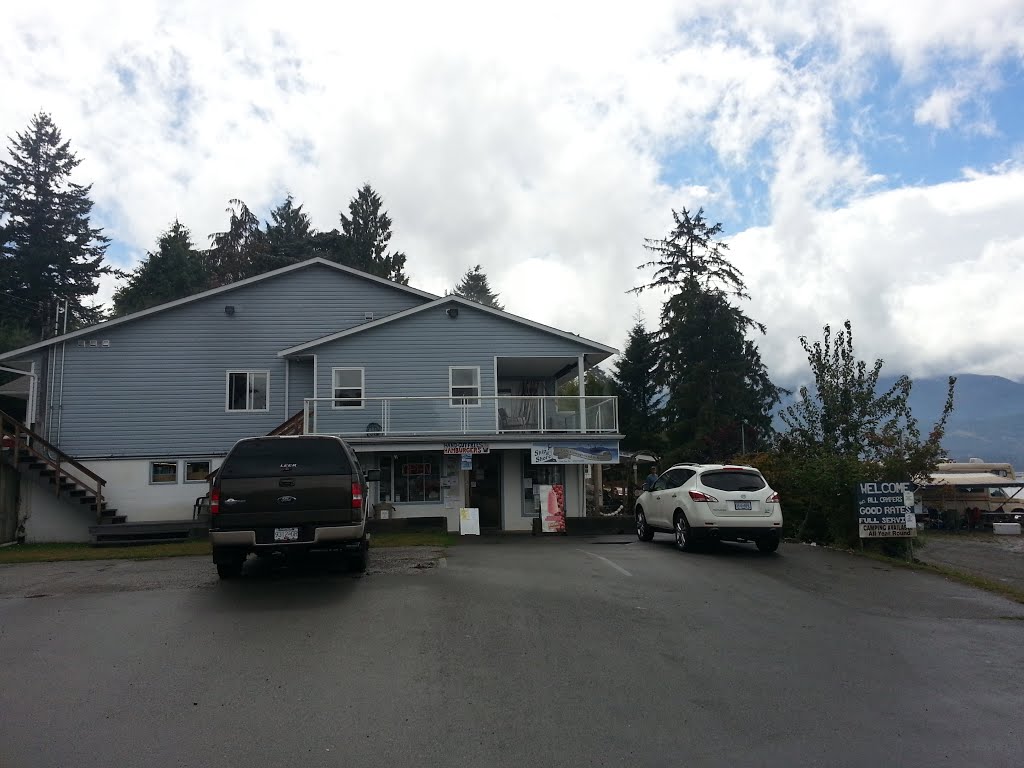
column 742, row 505
column 286, row 534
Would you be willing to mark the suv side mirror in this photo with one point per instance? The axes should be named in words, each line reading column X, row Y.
column 373, row 475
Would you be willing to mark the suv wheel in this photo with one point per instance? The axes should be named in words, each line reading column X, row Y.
column 643, row 530
column 684, row 538
column 768, row 544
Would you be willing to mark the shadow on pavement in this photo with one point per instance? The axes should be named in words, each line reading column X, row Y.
column 276, row 584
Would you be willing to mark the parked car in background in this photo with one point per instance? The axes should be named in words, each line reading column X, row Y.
column 288, row 495
column 711, row 502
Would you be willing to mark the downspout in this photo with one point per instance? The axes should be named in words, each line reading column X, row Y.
column 60, row 400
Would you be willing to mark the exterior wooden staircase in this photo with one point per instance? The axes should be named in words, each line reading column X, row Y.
column 291, row 427
column 29, row 451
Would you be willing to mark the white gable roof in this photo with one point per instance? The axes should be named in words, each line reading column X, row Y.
column 213, row 292
column 452, row 299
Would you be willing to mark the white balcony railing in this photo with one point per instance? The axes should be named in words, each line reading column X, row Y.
column 484, row 415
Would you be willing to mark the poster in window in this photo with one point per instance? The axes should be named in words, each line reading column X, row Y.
column 552, row 507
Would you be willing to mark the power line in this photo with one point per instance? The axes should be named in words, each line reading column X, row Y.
column 25, row 302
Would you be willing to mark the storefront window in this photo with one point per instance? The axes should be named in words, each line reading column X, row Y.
column 411, row 478
column 535, row 475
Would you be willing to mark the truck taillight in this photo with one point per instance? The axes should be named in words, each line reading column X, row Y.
column 698, row 496
column 215, row 501
column 357, row 495
column 773, row 499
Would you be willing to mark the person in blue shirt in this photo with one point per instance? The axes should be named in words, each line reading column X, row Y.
column 652, row 478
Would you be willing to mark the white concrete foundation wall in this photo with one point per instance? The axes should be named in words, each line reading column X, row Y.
column 49, row 518
column 129, row 491
column 512, row 493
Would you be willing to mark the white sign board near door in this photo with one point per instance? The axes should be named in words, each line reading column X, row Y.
column 469, row 521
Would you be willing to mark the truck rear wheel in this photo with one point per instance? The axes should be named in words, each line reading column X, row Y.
column 359, row 560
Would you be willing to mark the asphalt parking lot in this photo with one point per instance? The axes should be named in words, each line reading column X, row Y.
column 505, row 652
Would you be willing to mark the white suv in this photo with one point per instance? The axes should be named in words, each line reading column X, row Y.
column 711, row 502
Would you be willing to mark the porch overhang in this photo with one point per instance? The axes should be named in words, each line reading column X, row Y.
column 494, row 442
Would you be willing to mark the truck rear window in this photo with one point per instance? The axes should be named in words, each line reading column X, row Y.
column 733, row 481
column 279, row 457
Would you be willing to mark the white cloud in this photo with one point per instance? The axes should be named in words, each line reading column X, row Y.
column 941, row 109
column 543, row 141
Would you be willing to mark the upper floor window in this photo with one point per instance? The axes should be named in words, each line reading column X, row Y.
column 464, row 383
column 348, row 388
column 248, row 391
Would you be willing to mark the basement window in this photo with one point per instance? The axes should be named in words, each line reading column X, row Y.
column 197, row 471
column 163, row 472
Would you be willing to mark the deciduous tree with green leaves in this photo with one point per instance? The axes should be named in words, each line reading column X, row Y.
column 49, row 250
column 842, row 431
column 717, row 388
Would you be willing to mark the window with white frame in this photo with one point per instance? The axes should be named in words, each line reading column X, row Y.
column 464, row 383
column 248, row 391
column 348, row 387
column 163, row 472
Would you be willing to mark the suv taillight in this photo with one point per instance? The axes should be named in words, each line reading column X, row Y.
column 698, row 496
column 357, row 495
column 773, row 499
column 215, row 501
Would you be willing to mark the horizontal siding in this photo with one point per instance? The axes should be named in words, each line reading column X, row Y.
column 410, row 357
column 300, row 384
column 159, row 388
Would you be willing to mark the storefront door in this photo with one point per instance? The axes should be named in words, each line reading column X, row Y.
column 485, row 489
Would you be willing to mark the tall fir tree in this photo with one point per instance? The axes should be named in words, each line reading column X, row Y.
column 718, row 393
column 49, row 251
column 175, row 270
column 475, row 287
column 240, row 252
column 639, row 416
column 289, row 234
column 363, row 240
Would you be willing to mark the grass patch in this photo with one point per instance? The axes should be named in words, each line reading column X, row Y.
column 413, row 539
column 48, row 553
column 980, row 582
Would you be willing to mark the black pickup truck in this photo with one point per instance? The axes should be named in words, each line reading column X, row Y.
column 290, row 495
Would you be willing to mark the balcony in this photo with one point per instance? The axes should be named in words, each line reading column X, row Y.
column 485, row 415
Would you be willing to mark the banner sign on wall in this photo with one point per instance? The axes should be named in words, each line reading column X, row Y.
column 577, row 452
column 886, row 510
column 468, row 447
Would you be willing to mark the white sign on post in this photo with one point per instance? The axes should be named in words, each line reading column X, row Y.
column 469, row 521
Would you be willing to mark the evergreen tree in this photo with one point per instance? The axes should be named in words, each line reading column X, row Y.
column 718, row 393
column 49, row 252
column 240, row 252
column 474, row 286
column 639, row 417
column 289, row 234
column 175, row 270
column 363, row 241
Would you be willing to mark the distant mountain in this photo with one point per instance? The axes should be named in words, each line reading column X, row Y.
column 987, row 420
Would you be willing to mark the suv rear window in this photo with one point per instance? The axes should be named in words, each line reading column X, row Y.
column 733, row 481
column 275, row 457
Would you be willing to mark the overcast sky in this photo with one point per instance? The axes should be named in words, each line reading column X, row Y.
column 866, row 158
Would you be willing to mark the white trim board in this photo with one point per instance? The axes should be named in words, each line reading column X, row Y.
column 440, row 302
column 214, row 292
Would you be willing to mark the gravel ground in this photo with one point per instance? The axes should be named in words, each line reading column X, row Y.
column 101, row 576
column 999, row 558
